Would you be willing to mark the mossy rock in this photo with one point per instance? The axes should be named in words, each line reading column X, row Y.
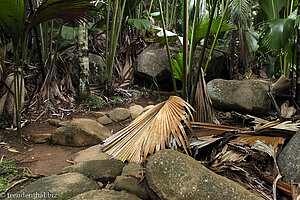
column 100, row 170
column 176, row 176
column 58, row 187
column 105, row 195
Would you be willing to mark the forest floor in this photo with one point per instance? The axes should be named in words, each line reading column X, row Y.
column 48, row 159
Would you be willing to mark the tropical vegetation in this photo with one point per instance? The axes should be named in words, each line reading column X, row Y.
column 259, row 37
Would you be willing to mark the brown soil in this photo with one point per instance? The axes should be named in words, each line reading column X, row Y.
column 45, row 159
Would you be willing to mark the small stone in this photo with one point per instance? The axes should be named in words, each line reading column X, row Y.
column 104, row 120
column 80, row 132
column 119, row 114
column 99, row 114
column 150, row 103
column 228, row 115
column 148, row 108
column 132, row 104
column 64, row 123
column 91, row 153
column 55, row 122
column 40, row 138
column 100, row 184
column 137, row 95
column 135, row 111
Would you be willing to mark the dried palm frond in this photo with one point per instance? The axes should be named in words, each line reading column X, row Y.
column 203, row 104
column 152, row 131
column 282, row 87
column 286, row 129
column 251, row 140
column 206, row 129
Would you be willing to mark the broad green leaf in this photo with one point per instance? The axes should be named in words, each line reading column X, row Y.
column 252, row 40
column 201, row 28
column 272, row 7
column 140, row 23
column 155, row 15
column 177, row 65
column 12, row 17
column 68, row 32
column 277, row 32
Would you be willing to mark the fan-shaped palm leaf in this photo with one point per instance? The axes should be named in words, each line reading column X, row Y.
column 240, row 10
column 277, row 33
column 62, row 9
column 12, row 17
column 152, row 131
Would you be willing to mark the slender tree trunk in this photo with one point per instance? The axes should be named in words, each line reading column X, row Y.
column 83, row 59
column 298, row 62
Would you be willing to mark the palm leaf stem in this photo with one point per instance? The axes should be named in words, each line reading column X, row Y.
column 192, row 99
column 107, row 34
column 16, row 89
column 38, row 43
column 185, row 47
column 216, row 37
column 167, row 46
column 192, row 46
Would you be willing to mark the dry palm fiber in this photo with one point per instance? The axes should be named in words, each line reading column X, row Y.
column 152, row 131
column 203, row 104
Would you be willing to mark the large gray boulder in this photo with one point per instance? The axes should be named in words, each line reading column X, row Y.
column 105, row 195
column 247, row 96
column 153, row 63
column 100, row 170
column 80, row 132
column 289, row 160
column 176, row 176
column 61, row 187
column 91, row 153
column 96, row 69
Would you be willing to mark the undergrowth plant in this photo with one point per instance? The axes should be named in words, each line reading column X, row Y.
column 12, row 18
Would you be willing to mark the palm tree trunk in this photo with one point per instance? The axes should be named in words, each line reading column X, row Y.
column 83, row 59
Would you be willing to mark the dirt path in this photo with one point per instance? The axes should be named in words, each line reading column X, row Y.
column 45, row 159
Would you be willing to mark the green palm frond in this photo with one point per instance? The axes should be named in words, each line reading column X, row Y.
column 271, row 8
column 152, row 131
column 12, row 17
column 277, row 33
column 202, row 26
column 240, row 10
column 77, row 10
column 178, row 67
